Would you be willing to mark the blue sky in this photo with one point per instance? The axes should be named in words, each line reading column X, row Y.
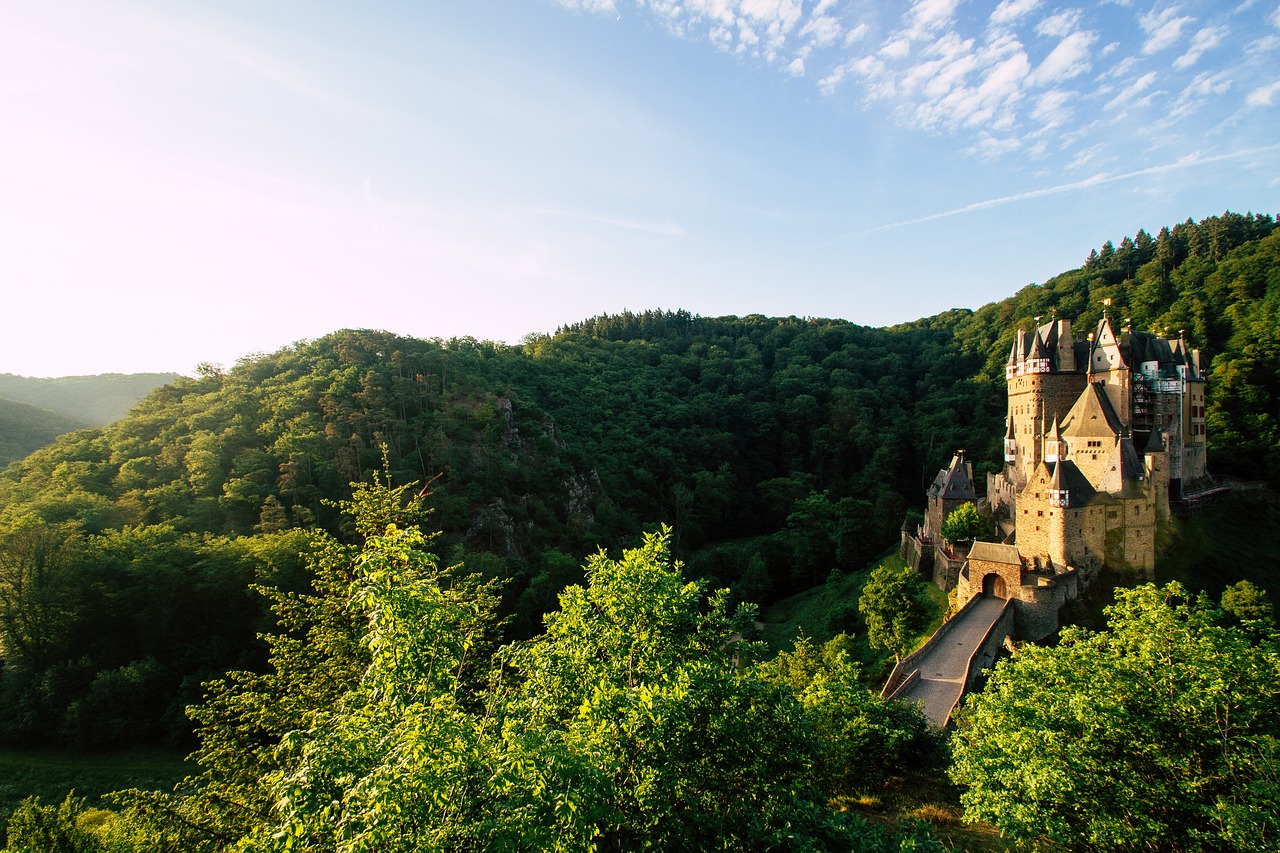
column 187, row 182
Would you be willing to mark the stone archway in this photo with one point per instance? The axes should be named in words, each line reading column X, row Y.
column 993, row 586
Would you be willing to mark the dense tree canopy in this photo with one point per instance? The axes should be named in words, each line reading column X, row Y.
column 1160, row 733
column 639, row 719
column 778, row 450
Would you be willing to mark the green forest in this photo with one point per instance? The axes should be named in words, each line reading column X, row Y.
column 402, row 594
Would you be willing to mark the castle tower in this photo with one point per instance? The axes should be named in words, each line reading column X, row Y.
column 1156, row 459
column 1044, row 380
column 1109, row 364
column 1059, row 502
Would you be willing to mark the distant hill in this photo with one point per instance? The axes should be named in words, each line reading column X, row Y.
column 25, row 428
column 89, row 400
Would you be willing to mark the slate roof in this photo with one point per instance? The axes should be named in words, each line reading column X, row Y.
column 953, row 482
column 1080, row 492
column 1092, row 415
column 994, row 552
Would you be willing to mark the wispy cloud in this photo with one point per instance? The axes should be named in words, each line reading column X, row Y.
column 999, row 83
column 1069, row 59
column 1163, row 28
column 1012, row 11
column 1204, row 40
column 1264, row 96
column 1190, row 161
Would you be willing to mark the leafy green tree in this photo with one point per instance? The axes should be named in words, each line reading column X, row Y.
column 1160, row 733
column 381, row 636
column 863, row 739
column 1248, row 602
column 892, row 606
column 631, row 722
column 965, row 524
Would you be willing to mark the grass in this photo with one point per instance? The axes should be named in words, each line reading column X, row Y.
column 828, row 609
column 51, row 775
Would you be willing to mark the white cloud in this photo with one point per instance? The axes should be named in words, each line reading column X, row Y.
column 1120, row 69
column 1084, row 157
column 796, row 68
column 1163, row 28
column 896, row 48
column 1264, row 45
column 1052, row 108
column 1264, row 96
column 1189, row 161
column 1206, row 39
column 1012, row 11
column 856, row 34
column 1069, row 59
column 1207, row 84
column 1129, row 96
column 824, row 30
column 1060, row 25
column 932, row 14
column 600, row 6
column 993, row 148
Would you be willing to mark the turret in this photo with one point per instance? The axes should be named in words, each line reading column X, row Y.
column 1010, row 443
column 1059, row 496
column 1054, row 447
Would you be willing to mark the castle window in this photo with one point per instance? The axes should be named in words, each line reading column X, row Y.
column 1040, row 513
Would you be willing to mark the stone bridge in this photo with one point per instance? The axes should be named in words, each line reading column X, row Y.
column 938, row 674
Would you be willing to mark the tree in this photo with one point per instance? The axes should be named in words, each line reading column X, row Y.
column 892, row 607
column 369, row 671
column 631, row 722
column 965, row 524
column 863, row 739
column 1160, row 733
column 1248, row 603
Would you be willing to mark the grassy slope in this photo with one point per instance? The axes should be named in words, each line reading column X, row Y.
column 51, row 775
column 831, row 608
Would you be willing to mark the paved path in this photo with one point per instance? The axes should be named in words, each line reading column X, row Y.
column 944, row 669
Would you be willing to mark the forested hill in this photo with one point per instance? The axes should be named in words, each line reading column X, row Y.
column 98, row 399
column 779, row 449
column 24, row 427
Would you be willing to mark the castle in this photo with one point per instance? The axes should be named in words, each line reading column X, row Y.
column 1101, row 433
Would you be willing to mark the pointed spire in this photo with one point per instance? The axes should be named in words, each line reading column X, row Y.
column 1059, row 496
column 1155, row 443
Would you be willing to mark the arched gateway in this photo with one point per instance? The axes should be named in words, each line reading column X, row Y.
column 993, row 586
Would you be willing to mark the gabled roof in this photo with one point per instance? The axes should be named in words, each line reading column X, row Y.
column 953, row 482
column 1155, row 443
column 1106, row 354
column 994, row 552
column 1092, row 415
column 1125, row 472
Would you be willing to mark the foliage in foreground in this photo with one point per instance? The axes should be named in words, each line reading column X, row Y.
column 639, row 719
column 1161, row 733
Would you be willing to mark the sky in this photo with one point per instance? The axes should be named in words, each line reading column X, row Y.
column 190, row 182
